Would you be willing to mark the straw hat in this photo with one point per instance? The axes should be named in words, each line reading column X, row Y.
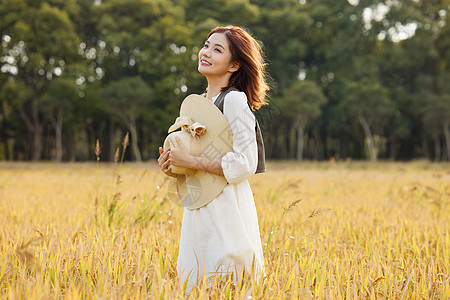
column 204, row 132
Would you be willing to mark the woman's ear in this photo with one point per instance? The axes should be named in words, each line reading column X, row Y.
column 234, row 66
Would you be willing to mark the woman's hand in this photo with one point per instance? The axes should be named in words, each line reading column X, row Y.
column 164, row 162
column 179, row 156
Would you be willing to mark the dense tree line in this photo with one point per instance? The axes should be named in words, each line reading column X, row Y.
column 364, row 79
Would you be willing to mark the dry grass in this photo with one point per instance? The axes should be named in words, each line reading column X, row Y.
column 329, row 230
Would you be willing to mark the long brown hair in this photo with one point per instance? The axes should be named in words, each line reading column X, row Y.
column 251, row 76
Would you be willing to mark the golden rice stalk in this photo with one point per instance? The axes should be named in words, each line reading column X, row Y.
column 97, row 150
column 126, row 141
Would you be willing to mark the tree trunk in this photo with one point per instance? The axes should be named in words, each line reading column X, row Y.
column 318, row 149
column 326, row 143
column 283, row 150
column 6, row 146
column 300, row 127
column 292, row 143
column 447, row 137
column 5, row 138
column 88, row 139
column 144, row 143
column 369, row 137
column 57, row 126
column 154, row 139
column 34, row 126
column 69, row 146
column 437, row 146
column 342, row 148
column 280, row 148
column 392, row 150
column 425, row 150
column 38, row 130
column 109, row 142
column 134, row 140
column 37, row 143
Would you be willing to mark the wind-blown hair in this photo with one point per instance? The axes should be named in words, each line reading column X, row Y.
column 251, row 76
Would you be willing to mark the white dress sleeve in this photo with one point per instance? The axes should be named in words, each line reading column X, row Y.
column 240, row 164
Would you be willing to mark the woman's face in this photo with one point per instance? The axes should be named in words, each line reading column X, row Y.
column 214, row 59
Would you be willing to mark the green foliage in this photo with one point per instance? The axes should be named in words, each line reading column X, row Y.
column 127, row 98
column 370, row 101
column 62, row 94
column 94, row 69
column 303, row 100
column 231, row 12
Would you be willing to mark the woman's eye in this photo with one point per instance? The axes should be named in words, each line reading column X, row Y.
column 217, row 50
column 205, row 46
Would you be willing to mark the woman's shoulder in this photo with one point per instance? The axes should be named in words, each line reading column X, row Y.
column 236, row 105
column 236, row 97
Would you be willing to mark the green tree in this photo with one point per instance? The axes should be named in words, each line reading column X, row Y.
column 434, row 94
column 340, row 52
column 40, row 49
column 404, row 64
column 302, row 103
column 12, row 95
column 127, row 98
column 150, row 39
column 284, row 28
column 232, row 12
column 370, row 105
column 348, row 48
column 58, row 104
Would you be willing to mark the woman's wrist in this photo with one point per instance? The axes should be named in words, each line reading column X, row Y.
column 192, row 162
column 211, row 165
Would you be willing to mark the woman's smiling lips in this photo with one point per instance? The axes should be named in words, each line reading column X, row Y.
column 204, row 62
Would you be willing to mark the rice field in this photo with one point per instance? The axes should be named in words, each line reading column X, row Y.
column 329, row 230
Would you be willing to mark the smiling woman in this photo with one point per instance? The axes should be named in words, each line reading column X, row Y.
column 247, row 72
column 221, row 239
column 214, row 58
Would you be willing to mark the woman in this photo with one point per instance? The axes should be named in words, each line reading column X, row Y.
column 222, row 238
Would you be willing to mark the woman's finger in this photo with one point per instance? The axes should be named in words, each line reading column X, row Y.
column 163, row 158
column 167, row 169
column 179, row 142
column 164, row 155
column 166, row 164
column 167, row 155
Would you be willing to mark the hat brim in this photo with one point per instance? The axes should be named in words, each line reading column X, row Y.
column 198, row 189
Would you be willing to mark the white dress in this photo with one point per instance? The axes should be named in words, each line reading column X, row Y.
column 223, row 237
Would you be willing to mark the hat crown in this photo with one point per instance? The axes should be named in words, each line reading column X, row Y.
column 196, row 188
column 192, row 145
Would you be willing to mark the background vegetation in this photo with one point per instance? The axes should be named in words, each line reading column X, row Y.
column 359, row 79
column 347, row 230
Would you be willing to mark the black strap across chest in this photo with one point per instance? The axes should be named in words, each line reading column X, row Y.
column 259, row 140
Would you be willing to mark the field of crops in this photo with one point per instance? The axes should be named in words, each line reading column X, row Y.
column 331, row 230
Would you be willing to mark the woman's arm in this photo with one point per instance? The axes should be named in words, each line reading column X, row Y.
column 241, row 163
column 179, row 156
column 236, row 165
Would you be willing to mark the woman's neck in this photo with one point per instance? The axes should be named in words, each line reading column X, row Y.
column 215, row 86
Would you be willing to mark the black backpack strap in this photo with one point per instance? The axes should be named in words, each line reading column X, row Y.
column 261, row 168
column 259, row 140
column 221, row 98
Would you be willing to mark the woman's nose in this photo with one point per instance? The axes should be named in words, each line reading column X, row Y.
column 205, row 52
